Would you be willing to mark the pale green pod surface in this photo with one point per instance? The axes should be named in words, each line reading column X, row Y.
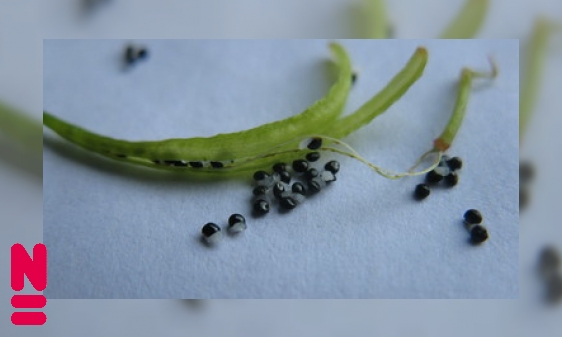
column 468, row 21
column 377, row 23
column 21, row 128
column 223, row 149
column 534, row 64
column 397, row 87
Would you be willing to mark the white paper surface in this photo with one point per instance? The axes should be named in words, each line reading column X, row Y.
column 119, row 231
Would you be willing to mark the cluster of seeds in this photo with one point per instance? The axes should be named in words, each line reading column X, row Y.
column 446, row 172
column 212, row 232
column 277, row 186
column 133, row 54
column 472, row 221
column 549, row 271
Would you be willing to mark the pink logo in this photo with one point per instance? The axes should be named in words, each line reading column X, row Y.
column 36, row 271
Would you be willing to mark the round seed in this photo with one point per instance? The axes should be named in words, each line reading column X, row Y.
column 260, row 175
column 260, row 190
column 298, row 188
column 313, row 156
column 526, row 172
column 478, row 234
column 332, row 166
column 311, row 173
column 454, row 163
column 211, row 233
column 433, row 177
column 452, row 179
column 279, row 167
column 284, row 176
column 300, row 165
column 315, row 143
column 142, row 53
column 236, row 223
column 261, row 207
column 473, row 216
column 288, row 203
column 278, row 189
column 315, row 185
column 422, row 191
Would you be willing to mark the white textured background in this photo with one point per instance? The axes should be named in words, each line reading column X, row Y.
column 117, row 231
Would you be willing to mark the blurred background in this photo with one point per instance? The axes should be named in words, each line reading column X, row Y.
column 23, row 25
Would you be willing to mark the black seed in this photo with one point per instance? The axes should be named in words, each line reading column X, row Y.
column 156, row 161
column 217, row 164
column 526, row 172
column 298, row 188
column 130, row 55
column 278, row 189
column 314, row 187
column 175, row 163
column 452, row 179
column 353, row 78
column 523, row 197
column 279, row 167
column 478, row 234
column 315, row 144
column 285, row 176
column 209, row 229
column 261, row 207
column 312, row 156
column 433, row 177
column 473, row 217
column 142, row 53
column 235, row 218
column 311, row 173
column 288, row 203
column 454, row 163
column 196, row 164
column 260, row 190
column 421, row 191
column 300, row 165
column 260, row 175
column 120, row 156
column 549, row 260
column 332, row 166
